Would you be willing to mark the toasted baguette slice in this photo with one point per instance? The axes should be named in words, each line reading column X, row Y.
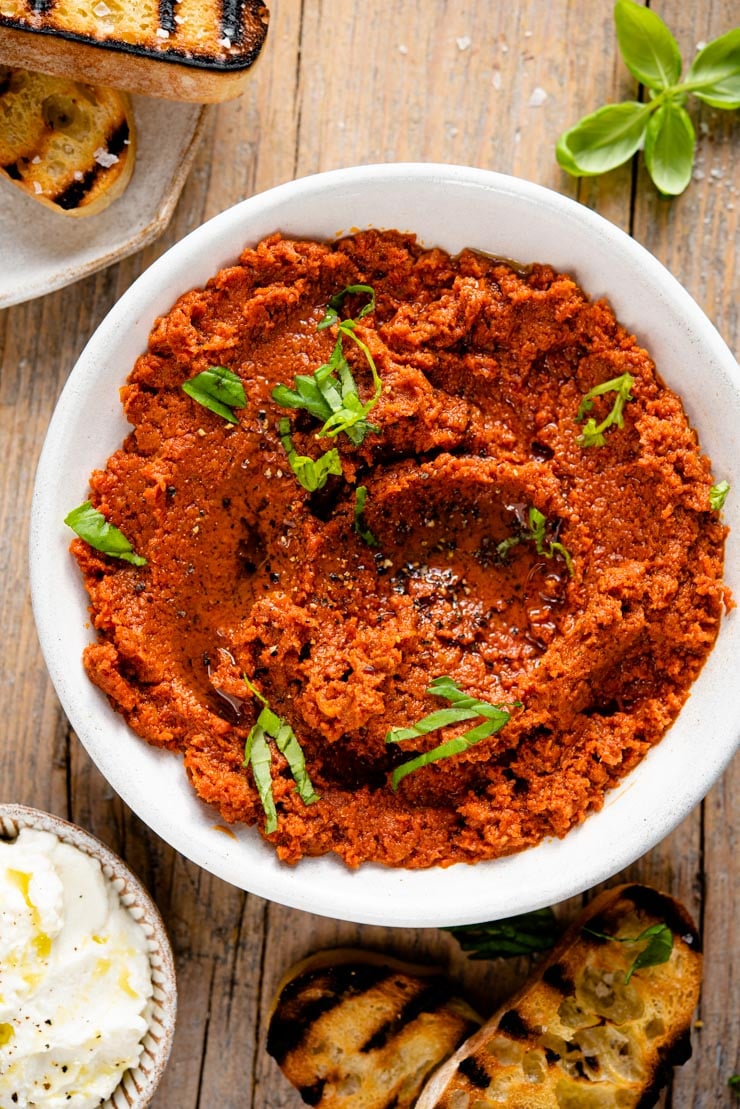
column 577, row 1037
column 68, row 145
column 197, row 50
column 356, row 1030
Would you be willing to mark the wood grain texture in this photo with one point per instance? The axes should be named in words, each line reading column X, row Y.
column 343, row 82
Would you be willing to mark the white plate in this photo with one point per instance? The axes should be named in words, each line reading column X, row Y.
column 43, row 251
column 452, row 207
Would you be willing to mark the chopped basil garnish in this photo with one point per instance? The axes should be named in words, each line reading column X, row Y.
column 504, row 939
column 93, row 527
column 361, row 527
column 657, row 951
column 257, row 755
column 463, row 707
column 218, row 389
column 718, row 495
column 331, row 394
column 536, row 533
column 312, row 473
column 593, row 433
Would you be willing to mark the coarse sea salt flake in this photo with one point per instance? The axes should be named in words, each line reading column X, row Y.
column 162, row 33
column 35, row 160
column 538, row 97
column 403, row 48
column 37, row 188
column 78, row 176
column 104, row 157
column 225, row 42
column 463, row 42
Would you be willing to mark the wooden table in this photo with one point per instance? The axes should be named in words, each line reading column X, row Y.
column 343, row 82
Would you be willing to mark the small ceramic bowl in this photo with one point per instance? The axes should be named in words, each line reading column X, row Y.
column 451, row 207
column 137, row 1086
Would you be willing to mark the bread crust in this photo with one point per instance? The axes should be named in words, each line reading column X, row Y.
column 546, row 1048
column 204, row 69
column 68, row 145
column 359, row 1030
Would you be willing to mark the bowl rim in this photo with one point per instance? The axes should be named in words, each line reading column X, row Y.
column 138, row 1084
column 395, row 897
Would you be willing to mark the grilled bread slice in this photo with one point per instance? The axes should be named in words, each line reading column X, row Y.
column 70, row 146
column 356, row 1030
column 197, row 50
column 577, row 1036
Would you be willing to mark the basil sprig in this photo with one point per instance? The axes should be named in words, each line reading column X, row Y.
column 93, row 527
column 658, row 949
column 312, row 473
column 463, row 707
column 257, row 755
column 361, row 527
column 218, row 389
column 593, row 433
column 718, row 495
column 330, row 394
column 612, row 134
column 526, row 934
column 536, row 532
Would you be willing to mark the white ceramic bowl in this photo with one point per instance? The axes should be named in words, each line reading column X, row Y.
column 137, row 1086
column 451, row 207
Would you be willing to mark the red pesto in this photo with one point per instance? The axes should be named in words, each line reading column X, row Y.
column 483, row 369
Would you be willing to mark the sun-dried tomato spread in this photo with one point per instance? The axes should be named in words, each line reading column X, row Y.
column 589, row 634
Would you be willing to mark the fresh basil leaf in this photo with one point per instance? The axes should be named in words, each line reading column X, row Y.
column 464, row 708
column 658, row 950
column 734, row 1083
column 715, row 73
column 669, row 148
column 312, row 473
column 361, row 527
column 218, row 389
column 650, row 51
column 603, row 140
column 718, row 495
column 93, row 527
column 526, row 934
column 257, row 755
column 286, row 741
column 565, row 159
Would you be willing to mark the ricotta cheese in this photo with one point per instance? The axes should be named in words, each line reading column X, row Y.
column 75, row 978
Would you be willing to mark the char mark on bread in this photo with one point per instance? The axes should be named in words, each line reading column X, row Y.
column 428, row 1000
